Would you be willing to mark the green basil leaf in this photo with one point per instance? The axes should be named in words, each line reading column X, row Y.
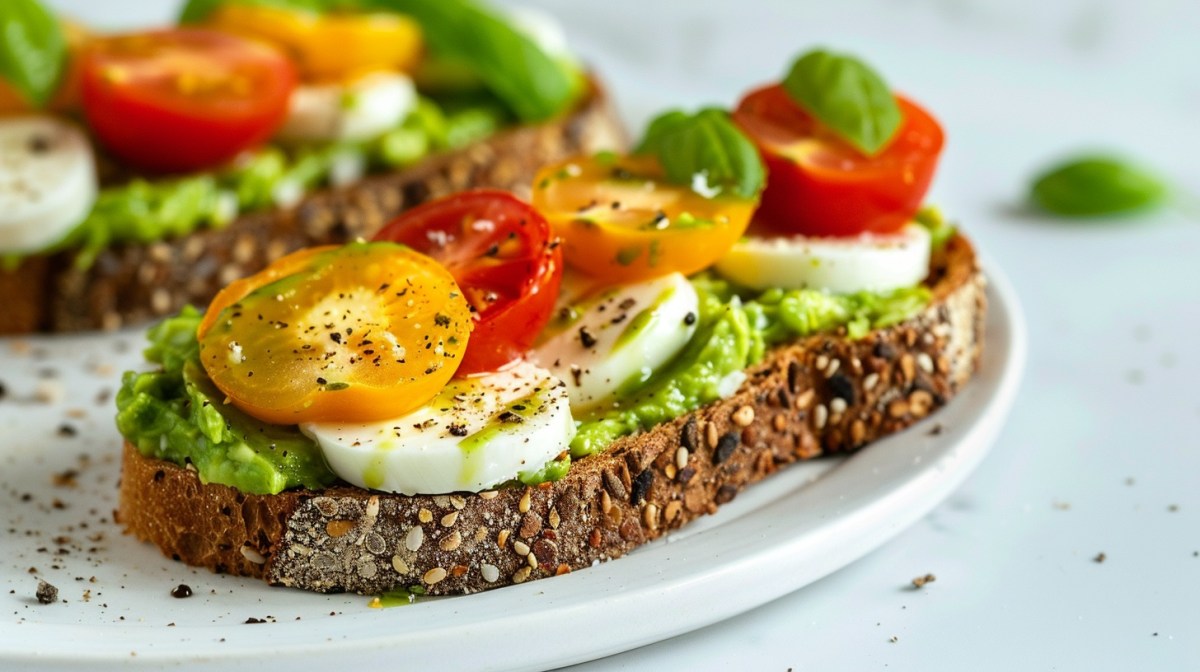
column 846, row 95
column 33, row 51
column 706, row 151
column 533, row 84
column 1091, row 186
column 196, row 11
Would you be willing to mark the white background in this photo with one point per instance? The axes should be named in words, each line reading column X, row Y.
column 1101, row 453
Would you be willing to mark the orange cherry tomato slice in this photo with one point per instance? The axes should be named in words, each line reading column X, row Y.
column 622, row 222
column 360, row 333
column 820, row 185
column 185, row 99
column 505, row 258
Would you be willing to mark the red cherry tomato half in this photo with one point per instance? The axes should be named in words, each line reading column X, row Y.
column 182, row 100
column 820, row 185
column 503, row 256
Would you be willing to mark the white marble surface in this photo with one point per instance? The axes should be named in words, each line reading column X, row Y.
column 1101, row 452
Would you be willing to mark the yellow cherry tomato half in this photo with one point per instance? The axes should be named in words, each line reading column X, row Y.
column 621, row 221
column 360, row 333
column 328, row 47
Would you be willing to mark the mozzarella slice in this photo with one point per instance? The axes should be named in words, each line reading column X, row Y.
column 359, row 110
column 47, row 181
column 478, row 432
column 616, row 340
column 870, row 262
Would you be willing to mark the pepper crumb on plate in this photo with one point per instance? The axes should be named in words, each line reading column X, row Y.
column 46, row 593
column 920, row 581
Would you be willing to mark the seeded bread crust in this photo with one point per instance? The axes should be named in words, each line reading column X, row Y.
column 134, row 283
column 822, row 395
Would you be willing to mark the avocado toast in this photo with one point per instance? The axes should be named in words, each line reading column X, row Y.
column 689, row 353
column 349, row 140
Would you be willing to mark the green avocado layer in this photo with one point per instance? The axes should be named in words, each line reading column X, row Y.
column 144, row 211
column 176, row 414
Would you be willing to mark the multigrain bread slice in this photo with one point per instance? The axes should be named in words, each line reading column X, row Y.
column 134, row 282
column 822, row 395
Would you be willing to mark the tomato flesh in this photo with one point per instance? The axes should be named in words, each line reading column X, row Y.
column 622, row 222
column 183, row 100
column 360, row 333
column 820, row 185
column 504, row 257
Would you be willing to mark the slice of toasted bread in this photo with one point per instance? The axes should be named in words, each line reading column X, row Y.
column 133, row 282
column 821, row 395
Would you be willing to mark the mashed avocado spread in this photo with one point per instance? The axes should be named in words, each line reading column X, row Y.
column 176, row 413
column 144, row 211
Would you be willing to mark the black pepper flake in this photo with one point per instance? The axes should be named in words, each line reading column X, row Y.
column 509, row 416
column 67, row 430
column 46, row 593
column 441, row 320
column 181, row 591
column 586, row 338
column 689, row 319
column 254, row 621
column 3, row 390
column 641, row 486
column 457, row 429
column 335, row 337
column 493, row 250
column 725, row 447
column 842, row 387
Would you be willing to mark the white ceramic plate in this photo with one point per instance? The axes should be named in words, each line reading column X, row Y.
column 116, row 608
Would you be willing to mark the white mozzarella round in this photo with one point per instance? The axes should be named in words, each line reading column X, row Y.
column 358, row 110
column 47, row 181
column 617, row 339
column 870, row 262
column 478, row 432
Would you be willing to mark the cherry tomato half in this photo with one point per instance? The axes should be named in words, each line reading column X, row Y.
column 181, row 100
column 622, row 222
column 360, row 333
column 820, row 185
column 504, row 257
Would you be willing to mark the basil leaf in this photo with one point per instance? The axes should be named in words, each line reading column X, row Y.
column 705, row 150
column 1096, row 185
column 534, row 85
column 847, row 96
column 196, row 11
column 33, row 51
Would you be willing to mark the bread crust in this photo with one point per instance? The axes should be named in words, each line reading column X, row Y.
column 131, row 283
column 821, row 395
